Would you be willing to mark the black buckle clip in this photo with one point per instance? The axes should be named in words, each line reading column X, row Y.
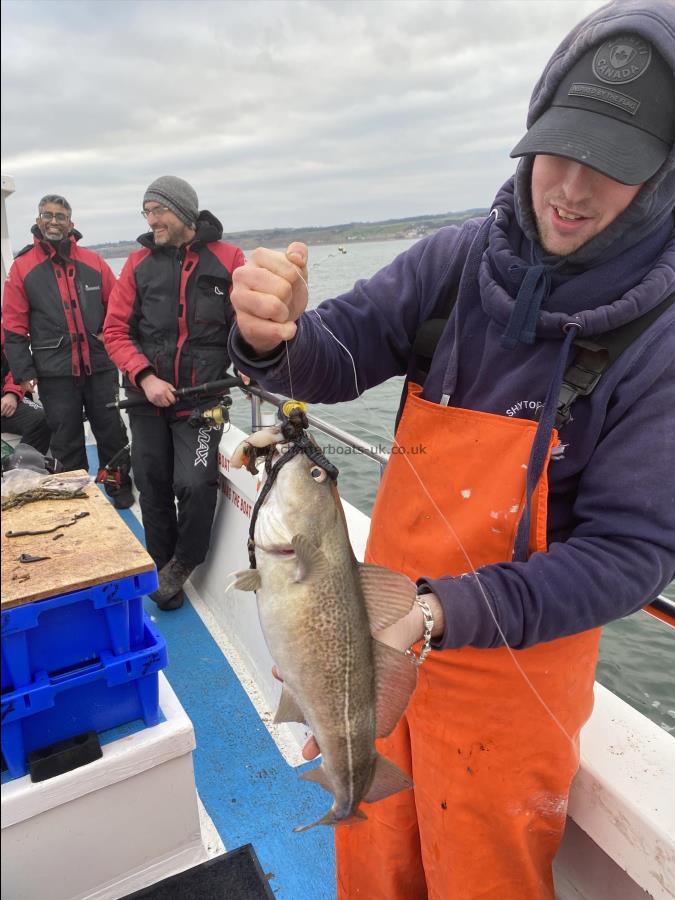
column 580, row 378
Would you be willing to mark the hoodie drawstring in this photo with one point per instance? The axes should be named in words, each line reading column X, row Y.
column 542, row 439
column 534, row 289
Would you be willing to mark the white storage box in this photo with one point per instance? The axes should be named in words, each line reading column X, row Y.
column 111, row 827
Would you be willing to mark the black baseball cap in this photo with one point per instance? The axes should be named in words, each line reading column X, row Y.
column 614, row 111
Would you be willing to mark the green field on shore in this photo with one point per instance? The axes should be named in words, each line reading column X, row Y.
column 388, row 230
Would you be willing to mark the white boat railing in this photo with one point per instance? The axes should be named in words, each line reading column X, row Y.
column 259, row 395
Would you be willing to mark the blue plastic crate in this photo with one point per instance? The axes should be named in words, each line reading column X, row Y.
column 115, row 690
column 60, row 633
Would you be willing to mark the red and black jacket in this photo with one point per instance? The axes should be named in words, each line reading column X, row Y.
column 53, row 310
column 171, row 311
column 9, row 386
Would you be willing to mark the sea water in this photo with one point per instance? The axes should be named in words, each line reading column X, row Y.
column 636, row 653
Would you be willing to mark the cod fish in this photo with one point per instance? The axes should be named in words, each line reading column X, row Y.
column 318, row 609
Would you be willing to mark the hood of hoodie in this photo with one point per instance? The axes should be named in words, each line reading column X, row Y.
column 598, row 297
column 208, row 229
column 653, row 206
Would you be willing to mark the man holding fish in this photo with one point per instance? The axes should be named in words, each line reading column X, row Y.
column 543, row 507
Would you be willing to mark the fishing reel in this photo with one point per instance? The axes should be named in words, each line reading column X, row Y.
column 212, row 416
column 294, row 425
column 111, row 475
column 293, row 417
column 108, row 477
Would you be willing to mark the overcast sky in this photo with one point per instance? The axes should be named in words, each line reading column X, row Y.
column 278, row 112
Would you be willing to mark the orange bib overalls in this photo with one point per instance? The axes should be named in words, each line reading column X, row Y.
column 491, row 765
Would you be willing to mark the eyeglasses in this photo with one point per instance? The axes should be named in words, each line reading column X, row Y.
column 48, row 216
column 155, row 211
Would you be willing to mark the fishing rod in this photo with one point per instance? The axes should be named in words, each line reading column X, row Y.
column 205, row 391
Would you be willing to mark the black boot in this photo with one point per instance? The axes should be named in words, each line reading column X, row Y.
column 123, row 496
column 174, row 602
column 172, row 577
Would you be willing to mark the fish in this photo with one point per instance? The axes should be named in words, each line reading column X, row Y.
column 319, row 608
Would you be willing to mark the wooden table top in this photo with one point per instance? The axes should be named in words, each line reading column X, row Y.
column 95, row 549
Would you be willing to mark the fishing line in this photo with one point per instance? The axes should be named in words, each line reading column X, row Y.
column 359, row 395
column 288, row 362
column 288, row 357
column 452, row 531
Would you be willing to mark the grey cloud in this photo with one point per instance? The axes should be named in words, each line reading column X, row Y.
column 280, row 113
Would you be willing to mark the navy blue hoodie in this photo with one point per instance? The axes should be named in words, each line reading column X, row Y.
column 611, row 516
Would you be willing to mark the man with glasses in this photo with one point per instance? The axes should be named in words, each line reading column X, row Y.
column 167, row 327
column 54, row 305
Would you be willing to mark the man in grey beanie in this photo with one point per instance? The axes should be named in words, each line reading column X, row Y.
column 176, row 195
column 167, row 328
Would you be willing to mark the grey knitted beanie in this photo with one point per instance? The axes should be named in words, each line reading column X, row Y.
column 178, row 195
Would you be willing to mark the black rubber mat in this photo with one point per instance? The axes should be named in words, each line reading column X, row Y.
column 236, row 875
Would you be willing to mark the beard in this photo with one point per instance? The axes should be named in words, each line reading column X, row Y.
column 173, row 234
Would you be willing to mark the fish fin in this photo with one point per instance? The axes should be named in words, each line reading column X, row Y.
column 288, row 709
column 329, row 819
column 248, row 580
column 311, row 560
column 318, row 776
column 395, row 681
column 389, row 595
column 388, row 779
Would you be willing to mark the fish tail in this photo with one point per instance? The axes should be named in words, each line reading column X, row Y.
column 332, row 819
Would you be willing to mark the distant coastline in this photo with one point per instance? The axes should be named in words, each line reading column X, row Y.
column 279, row 238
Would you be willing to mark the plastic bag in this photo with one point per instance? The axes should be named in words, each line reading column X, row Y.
column 28, row 475
column 25, row 457
column 20, row 481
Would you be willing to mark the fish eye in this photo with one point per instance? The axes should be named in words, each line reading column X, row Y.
column 319, row 475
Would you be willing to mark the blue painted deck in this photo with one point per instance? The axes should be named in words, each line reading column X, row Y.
column 249, row 791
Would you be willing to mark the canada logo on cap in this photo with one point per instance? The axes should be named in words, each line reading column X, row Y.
column 622, row 59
